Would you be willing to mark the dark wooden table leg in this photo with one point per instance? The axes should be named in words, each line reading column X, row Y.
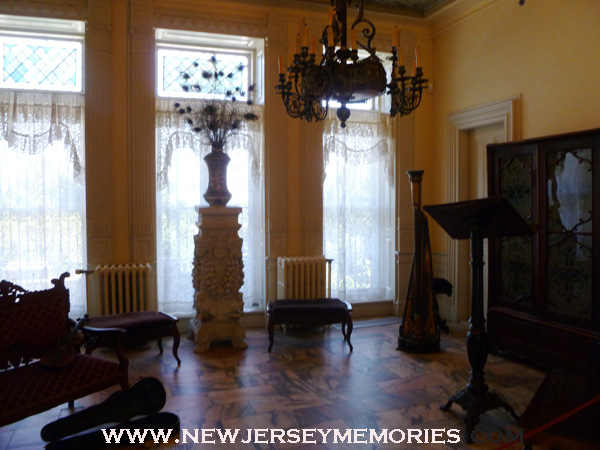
column 176, row 341
column 349, row 332
column 271, row 328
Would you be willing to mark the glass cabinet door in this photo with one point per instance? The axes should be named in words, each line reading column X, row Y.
column 515, row 183
column 569, row 226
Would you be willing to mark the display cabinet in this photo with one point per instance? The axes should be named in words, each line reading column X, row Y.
column 544, row 289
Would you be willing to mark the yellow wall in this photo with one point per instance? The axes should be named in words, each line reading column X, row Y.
column 546, row 50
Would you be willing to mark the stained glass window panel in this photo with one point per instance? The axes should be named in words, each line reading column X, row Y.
column 516, row 254
column 232, row 67
column 41, row 64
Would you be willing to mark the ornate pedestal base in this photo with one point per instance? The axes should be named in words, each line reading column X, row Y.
column 475, row 404
column 476, row 399
column 207, row 332
column 217, row 277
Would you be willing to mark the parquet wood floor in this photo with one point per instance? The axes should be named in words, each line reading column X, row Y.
column 311, row 380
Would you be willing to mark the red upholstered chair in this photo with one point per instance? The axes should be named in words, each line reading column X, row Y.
column 33, row 324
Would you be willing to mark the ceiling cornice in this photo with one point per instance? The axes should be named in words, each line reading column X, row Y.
column 409, row 8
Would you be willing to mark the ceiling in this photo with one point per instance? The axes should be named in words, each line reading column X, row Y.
column 413, row 8
column 419, row 8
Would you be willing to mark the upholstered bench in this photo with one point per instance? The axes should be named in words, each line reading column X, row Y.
column 310, row 313
column 140, row 327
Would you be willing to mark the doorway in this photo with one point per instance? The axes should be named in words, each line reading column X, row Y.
column 478, row 139
column 469, row 133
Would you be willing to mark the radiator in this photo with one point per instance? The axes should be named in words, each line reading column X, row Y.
column 303, row 277
column 120, row 288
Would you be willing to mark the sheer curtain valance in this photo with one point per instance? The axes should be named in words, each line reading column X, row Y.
column 182, row 178
column 42, row 180
column 32, row 121
column 358, row 205
column 366, row 142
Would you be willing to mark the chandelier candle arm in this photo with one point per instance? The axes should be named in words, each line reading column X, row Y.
column 341, row 76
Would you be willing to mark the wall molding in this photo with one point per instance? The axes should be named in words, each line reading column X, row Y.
column 65, row 9
column 211, row 23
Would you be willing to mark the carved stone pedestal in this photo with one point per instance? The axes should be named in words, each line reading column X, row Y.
column 217, row 278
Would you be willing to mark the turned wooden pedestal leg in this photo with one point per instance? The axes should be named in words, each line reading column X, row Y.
column 476, row 398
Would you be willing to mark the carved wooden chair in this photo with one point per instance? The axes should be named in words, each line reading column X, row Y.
column 34, row 327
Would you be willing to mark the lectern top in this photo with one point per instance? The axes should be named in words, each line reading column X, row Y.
column 493, row 217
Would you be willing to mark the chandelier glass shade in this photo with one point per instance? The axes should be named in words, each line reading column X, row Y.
column 341, row 76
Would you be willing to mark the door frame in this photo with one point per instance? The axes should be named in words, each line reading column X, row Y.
column 506, row 112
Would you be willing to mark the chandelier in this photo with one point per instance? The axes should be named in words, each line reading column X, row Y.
column 341, row 76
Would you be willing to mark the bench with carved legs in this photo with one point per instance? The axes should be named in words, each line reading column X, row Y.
column 310, row 313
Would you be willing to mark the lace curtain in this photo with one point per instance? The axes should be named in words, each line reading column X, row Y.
column 358, row 199
column 42, row 180
column 182, row 178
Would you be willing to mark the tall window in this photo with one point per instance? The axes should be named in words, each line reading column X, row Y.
column 42, row 178
column 358, row 206
column 182, row 174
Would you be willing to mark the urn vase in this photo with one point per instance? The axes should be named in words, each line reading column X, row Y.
column 217, row 193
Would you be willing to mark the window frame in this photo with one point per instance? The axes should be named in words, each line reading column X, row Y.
column 188, row 41
column 220, row 44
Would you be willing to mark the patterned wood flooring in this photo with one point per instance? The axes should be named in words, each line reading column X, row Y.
column 311, row 380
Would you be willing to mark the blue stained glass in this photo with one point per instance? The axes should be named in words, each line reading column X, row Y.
column 41, row 64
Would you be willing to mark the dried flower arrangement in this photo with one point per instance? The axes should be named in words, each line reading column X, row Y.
column 218, row 119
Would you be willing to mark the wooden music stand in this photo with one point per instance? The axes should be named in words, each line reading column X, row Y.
column 476, row 220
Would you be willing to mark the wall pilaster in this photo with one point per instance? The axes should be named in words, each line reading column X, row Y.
column 404, row 130
column 275, row 153
column 99, row 198
column 141, row 145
